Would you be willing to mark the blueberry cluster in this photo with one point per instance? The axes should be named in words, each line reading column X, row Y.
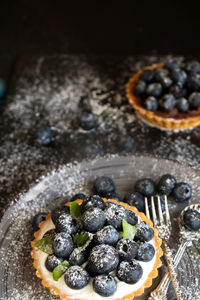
column 176, row 85
column 106, row 256
column 167, row 185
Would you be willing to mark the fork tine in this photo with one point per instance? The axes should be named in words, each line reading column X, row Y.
column 167, row 215
column 147, row 208
column 155, row 221
column 160, row 212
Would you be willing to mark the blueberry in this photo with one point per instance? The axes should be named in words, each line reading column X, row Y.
column 77, row 257
column 177, row 91
column 126, row 145
column 154, row 89
column 151, row 103
column 182, row 104
column 44, row 137
column 79, row 196
column 166, row 82
column 107, row 235
column 160, row 74
column 38, row 219
column 147, row 75
column 114, row 196
column 179, row 76
column 109, row 204
column 127, row 249
column 59, row 211
column 140, row 88
column 194, row 100
column 135, row 199
column 104, row 285
column 115, row 215
column 76, row 278
column 182, row 192
column 173, row 63
column 103, row 259
column 88, row 121
column 131, row 217
column 52, row 261
column 50, row 232
column 145, row 252
column 191, row 218
column 145, row 186
column 194, row 82
column 66, row 223
column 62, row 244
column 2, row 88
column 91, row 202
column 129, row 271
column 93, row 219
column 103, row 185
column 192, row 67
column 166, row 184
column 144, row 232
column 167, row 102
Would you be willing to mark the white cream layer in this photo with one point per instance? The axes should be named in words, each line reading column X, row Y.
column 87, row 293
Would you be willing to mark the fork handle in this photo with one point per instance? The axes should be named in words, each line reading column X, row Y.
column 160, row 293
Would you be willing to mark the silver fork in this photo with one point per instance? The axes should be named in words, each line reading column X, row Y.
column 164, row 229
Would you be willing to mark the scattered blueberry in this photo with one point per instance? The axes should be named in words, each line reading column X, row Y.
column 129, row 271
column 79, row 196
column 135, row 199
column 76, row 278
column 154, row 89
column 140, row 88
column 194, row 100
column 179, row 76
column 77, row 257
column 144, row 232
column 114, row 196
column 114, row 215
column 192, row 67
column 66, row 223
column 126, row 145
column 91, row 202
column 59, row 211
column 145, row 252
column 182, row 192
column 131, row 217
column 127, row 249
column 173, row 63
column 151, row 103
column 62, row 244
column 44, row 137
column 167, row 102
column 182, row 105
column 52, row 261
column 145, row 186
column 166, row 184
column 103, row 259
column 193, row 82
column 88, row 121
column 191, row 218
column 104, row 285
column 107, row 235
column 93, row 219
column 103, row 185
column 147, row 75
column 38, row 219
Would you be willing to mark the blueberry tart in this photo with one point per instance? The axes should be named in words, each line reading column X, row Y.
column 167, row 95
column 105, row 252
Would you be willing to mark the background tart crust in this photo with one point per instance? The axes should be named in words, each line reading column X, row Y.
column 183, row 122
column 153, row 274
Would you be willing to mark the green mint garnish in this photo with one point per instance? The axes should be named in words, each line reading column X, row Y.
column 75, row 209
column 129, row 230
column 81, row 239
column 60, row 270
column 45, row 244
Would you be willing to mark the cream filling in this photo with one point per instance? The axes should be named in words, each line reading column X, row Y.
column 87, row 293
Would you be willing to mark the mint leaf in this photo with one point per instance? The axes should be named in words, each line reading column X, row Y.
column 80, row 239
column 60, row 270
column 45, row 244
column 75, row 209
column 129, row 230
